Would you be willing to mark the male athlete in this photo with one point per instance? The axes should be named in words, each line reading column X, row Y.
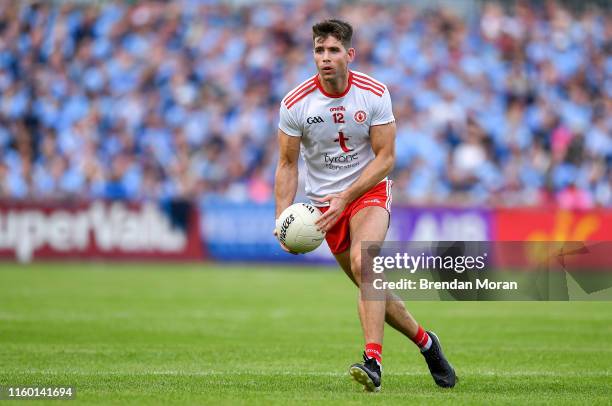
column 344, row 125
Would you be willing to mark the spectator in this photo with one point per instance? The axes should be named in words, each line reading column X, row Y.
column 153, row 100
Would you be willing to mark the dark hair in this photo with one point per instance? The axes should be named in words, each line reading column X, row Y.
column 338, row 29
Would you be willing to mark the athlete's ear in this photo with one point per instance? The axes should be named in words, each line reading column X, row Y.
column 351, row 54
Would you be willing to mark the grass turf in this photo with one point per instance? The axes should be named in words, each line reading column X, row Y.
column 241, row 335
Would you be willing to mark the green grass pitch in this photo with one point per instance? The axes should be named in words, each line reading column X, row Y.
column 210, row 334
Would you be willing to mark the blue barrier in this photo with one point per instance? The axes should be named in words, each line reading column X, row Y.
column 243, row 232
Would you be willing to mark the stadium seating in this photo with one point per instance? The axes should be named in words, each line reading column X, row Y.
column 155, row 100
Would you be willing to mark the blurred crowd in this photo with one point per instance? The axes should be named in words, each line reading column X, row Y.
column 151, row 99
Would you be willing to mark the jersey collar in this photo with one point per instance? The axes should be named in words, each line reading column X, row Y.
column 335, row 95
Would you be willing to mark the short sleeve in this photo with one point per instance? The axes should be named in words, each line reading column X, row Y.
column 287, row 123
column 383, row 111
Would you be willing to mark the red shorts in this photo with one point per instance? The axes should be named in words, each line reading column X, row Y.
column 339, row 236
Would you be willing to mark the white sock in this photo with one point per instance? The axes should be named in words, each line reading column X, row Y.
column 427, row 345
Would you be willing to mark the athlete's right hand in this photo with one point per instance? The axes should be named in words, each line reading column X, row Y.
column 283, row 246
column 337, row 204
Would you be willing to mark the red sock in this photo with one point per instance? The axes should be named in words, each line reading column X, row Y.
column 374, row 350
column 422, row 339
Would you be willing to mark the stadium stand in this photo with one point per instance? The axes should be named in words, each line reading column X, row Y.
column 156, row 100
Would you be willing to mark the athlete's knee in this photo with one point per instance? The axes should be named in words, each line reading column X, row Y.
column 356, row 260
column 356, row 265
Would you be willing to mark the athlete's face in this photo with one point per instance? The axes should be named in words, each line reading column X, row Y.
column 331, row 57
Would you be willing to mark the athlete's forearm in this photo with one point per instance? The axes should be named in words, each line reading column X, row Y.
column 374, row 172
column 285, row 185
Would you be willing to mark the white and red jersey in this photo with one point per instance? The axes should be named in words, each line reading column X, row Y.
column 335, row 129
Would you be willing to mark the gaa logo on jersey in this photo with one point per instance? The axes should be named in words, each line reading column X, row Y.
column 315, row 120
column 360, row 116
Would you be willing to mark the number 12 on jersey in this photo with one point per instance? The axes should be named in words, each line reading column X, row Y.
column 338, row 118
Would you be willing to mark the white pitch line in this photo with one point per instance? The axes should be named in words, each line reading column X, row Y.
column 464, row 374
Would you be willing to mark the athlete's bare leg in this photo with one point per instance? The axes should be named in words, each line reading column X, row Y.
column 369, row 223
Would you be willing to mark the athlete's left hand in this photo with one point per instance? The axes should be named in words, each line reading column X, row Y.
column 337, row 204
